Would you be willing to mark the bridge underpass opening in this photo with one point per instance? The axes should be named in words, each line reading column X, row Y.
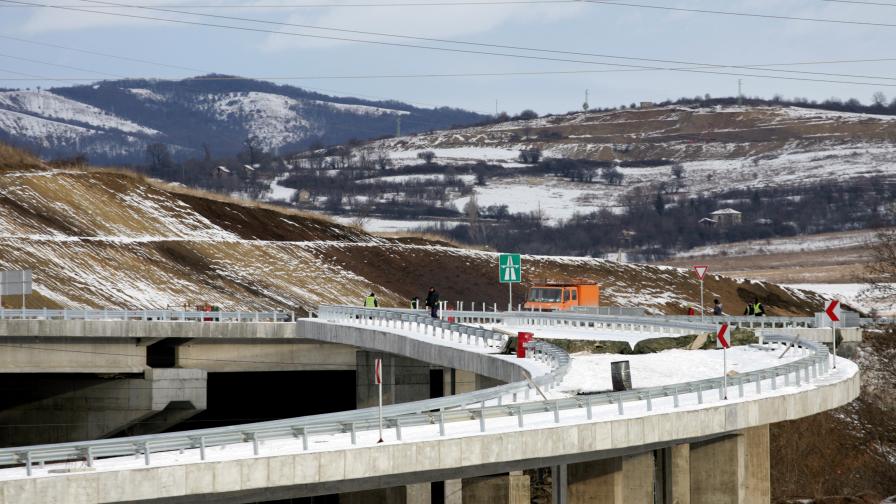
column 236, row 398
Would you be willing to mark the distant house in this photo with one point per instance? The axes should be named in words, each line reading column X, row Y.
column 764, row 222
column 706, row 221
column 646, row 104
column 726, row 217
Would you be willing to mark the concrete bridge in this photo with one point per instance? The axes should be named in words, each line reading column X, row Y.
column 682, row 443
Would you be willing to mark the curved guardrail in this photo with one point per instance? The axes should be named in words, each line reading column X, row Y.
column 165, row 315
column 432, row 410
column 427, row 412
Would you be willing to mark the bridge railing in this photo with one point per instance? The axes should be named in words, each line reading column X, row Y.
column 437, row 413
column 396, row 416
column 165, row 315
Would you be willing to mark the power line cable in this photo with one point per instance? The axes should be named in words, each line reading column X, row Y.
column 49, row 63
column 883, row 4
column 482, row 44
column 741, row 14
column 324, row 6
column 447, row 49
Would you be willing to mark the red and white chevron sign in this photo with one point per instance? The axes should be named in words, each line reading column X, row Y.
column 721, row 336
column 378, row 372
column 832, row 310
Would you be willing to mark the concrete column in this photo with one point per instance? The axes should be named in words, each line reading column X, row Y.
column 620, row 480
column 677, row 474
column 411, row 494
column 732, row 470
column 504, row 489
column 454, row 491
column 404, row 379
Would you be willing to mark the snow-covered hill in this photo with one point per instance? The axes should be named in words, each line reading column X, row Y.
column 101, row 239
column 720, row 147
column 113, row 121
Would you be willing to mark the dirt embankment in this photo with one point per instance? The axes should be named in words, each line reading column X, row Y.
column 845, row 455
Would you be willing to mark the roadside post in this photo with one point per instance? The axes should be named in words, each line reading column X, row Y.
column 510, row 271
column 833, row 311
column 701, row 272
column 721, row 337
column 378, row 378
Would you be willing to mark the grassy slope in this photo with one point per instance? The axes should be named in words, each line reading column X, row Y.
column 111, row 239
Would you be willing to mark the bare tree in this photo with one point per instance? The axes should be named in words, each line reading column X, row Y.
column 879, row 99
column 678, row 170
column 426, row 156
column 880, row 274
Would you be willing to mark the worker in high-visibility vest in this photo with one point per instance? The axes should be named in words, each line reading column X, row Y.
column 371, row 301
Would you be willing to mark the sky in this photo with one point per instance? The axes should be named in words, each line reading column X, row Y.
column 592, row 30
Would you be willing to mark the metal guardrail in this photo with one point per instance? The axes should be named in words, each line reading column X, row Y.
column 395, row 416
column 659, row 325
column 427, row 412
column 164, row 315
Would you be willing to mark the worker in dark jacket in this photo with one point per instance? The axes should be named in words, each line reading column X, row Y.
column 716, row 307
column 432, row 302
column 371, row 301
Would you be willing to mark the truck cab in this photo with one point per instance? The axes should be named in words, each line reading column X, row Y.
column 552, row 296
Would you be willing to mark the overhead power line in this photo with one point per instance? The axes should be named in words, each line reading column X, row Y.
column 862, row 2
column 466, row 43
column 741, row 14
column 326, row 6
column 714, row 68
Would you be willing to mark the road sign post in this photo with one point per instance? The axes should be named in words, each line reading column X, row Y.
column 510, row 271
column 701, row 272
column 378, row 378
column 721, row 336
column 832, row 310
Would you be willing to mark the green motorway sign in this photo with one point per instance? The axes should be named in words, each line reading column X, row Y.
column 510, row 268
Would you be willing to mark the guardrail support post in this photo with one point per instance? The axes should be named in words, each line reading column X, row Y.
column 28, row 463
column 519, row 416
column 398, row 429
column 202, row 448
column 699, row 394
column 441, row 423
column 354, row 433
column 619, row 403
column 146, row 453
column 675, row 397
column 482, row 416
column 649, row 404
column 556, row 411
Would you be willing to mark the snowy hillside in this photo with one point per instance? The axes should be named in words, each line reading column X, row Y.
column 113, row 121
column 104, row 239
column 720, row 148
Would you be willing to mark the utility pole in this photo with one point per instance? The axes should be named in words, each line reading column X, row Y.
column 397, row 126
column 740, row 95
column 585, row 105
column 496, row 107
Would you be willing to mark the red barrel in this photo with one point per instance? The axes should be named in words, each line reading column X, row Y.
column 521, row 339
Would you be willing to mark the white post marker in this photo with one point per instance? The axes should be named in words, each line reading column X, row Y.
column 721, row 336
column 378, row 379
column 701, row 272
column 832, row 310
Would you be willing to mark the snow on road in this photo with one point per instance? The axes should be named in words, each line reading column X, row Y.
column 591, row 372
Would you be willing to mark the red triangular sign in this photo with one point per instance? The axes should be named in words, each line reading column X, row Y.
column 701, row 271
column 721, row 335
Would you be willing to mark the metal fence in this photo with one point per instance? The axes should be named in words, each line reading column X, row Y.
column 165, row 315
column 439, row 412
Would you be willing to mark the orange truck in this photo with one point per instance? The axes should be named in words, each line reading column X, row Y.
column 553, row 296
